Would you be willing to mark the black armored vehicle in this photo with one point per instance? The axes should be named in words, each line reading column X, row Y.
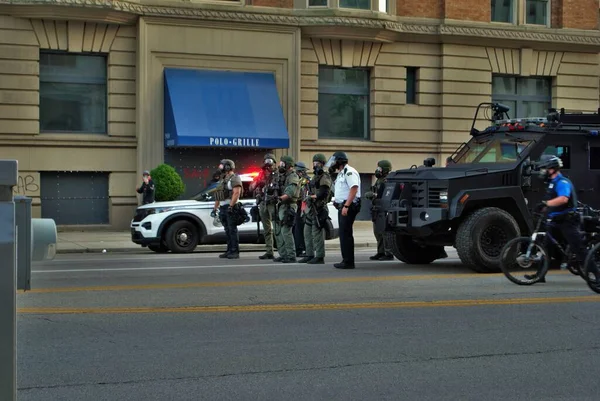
column 486, row 194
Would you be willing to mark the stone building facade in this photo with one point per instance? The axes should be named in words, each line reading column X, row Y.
column 83, row 91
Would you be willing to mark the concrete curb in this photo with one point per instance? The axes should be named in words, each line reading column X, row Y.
column 199, row 249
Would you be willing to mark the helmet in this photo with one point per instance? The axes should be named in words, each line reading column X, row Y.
column 550, row 162
column 288, row 160
column 385, row 165
column 319, row 157
column 269, row 158
column 340, row 157
column 301, row 166
column 227, row 164
column 146, row 172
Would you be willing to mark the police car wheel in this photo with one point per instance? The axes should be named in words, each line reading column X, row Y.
column 182, row 237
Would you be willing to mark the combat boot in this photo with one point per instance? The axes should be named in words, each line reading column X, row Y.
column 316, row 261
column 306, row 259
column 266, row 256
column 224, row 255
column 376, row 256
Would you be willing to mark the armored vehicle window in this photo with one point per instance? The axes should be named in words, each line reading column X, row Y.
column 502, row 149
column 594, row 158
column 564, row 152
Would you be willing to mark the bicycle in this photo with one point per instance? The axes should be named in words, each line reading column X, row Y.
column 591, row 266
column 532, row 257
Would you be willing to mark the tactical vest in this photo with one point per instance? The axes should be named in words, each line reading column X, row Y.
column 551, row 194
column 222, row 191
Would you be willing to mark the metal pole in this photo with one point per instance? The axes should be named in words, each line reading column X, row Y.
column 8, row 283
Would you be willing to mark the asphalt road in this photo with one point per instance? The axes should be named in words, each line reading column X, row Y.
column 170, row 327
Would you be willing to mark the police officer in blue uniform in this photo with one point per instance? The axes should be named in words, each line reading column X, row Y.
column 560, row 203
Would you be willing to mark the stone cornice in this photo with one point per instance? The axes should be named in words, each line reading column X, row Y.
column 234, row 11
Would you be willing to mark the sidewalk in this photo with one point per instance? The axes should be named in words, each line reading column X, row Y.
column 120, row 241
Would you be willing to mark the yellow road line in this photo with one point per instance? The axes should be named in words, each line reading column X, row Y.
column 265, row 282
column 313, row 307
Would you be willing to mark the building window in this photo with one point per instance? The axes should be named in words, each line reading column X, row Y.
column 317, row 3
column 594, row 158
column 537, row 12
column 359, row 4
column 502, row 11
column 526, row 97
column 73, row 94
column 343, row 103
column 411, row 85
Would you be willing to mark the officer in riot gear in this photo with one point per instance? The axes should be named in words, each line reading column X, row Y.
column 347, row 201
column 301, row 170
column 227, row 194
column 286, row 210
column 266, row 187
column 560, row 205
column 383, row 249
column 316, row 211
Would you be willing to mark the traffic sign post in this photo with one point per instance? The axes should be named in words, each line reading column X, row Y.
column 8, row 282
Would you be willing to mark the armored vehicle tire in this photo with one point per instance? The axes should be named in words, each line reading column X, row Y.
column 182, row 237
column 481, row 237
column 408, row 251
column 162, row 248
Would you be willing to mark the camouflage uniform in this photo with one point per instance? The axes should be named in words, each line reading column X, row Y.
column 383, row 248
column 286, row 211
column 316, row 211
column 299, row 226
column 267, row 186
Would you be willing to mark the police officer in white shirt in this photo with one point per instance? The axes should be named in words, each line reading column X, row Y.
column 347, row 201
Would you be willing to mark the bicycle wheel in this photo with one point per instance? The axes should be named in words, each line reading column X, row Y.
column 591, row 269
column 518, row 266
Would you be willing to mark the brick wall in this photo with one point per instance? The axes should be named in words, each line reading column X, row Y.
column 420, row 8
column 556, row 13
column 468, row 10
column 580, row 14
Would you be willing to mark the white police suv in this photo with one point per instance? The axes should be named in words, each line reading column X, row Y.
column 180, row 226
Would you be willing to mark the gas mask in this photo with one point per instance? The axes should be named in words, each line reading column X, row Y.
column 317, row 168
column 268, row 163
column 379, row 172
column 282, row 167
column 222, row 168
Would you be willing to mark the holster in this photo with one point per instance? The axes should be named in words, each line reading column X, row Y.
column 255, row 214
column 290, row 217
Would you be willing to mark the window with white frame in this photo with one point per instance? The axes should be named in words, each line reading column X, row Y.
column 503, row 11
column 537, row 12
column 358, row 4
column 526, row 96
column 382, row 6
column 73, row 93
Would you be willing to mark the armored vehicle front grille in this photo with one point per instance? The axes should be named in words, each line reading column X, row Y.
column 434, row 197
column 419, row 192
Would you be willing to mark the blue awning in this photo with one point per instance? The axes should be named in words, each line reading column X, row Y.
column 223, row 109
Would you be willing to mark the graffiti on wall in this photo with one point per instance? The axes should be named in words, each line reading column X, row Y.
column 27, row 185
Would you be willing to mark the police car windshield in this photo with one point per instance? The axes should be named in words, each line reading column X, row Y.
column 492, row 149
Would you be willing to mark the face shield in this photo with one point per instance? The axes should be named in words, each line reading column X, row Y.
column 330, row 163
column 269, row 162
column 378, row 172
